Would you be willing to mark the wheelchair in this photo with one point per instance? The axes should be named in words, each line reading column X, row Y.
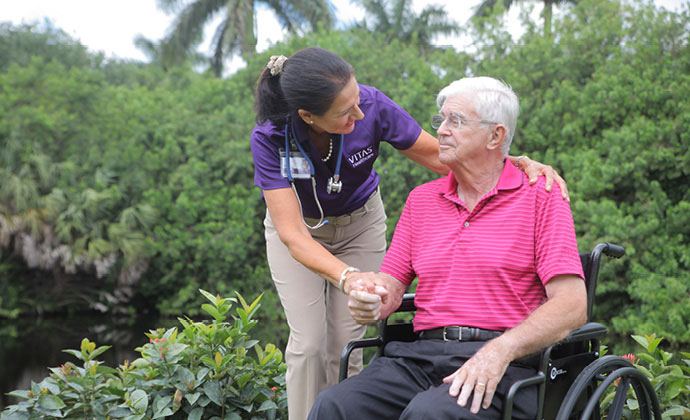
column 573, row 381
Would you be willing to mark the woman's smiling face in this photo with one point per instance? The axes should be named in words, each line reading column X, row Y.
column 342, row 114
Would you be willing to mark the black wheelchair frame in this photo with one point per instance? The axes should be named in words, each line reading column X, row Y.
column 572, row 378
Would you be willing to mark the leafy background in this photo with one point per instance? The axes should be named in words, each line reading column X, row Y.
column 125, row 187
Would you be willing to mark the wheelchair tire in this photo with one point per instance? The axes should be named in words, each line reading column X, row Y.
column 593, row 382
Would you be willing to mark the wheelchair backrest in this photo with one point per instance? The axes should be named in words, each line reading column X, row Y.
column 590, row 266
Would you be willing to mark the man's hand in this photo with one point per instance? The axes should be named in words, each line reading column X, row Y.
column 365, row 307
column 480, row 374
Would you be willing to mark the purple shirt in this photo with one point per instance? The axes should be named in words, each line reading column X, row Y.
column 383, row 120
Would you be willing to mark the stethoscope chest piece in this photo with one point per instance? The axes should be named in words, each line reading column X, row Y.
column 335, row 185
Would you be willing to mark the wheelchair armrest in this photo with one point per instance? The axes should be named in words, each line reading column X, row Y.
column 352, row 345
column 539, row 378
column 407, row 304
column 588, row 331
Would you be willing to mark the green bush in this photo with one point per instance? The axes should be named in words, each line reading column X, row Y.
column 671, row 381
column 141, row 180
column 203, row 371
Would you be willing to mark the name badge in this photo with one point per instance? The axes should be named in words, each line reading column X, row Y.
column 299, row 166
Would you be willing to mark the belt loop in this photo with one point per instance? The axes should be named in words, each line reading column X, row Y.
column 366, row 204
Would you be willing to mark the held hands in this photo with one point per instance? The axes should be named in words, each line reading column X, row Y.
column 367, row 295
column 534, row 169
column 480, row 374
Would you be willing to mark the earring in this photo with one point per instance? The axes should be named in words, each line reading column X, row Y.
column 311, row 122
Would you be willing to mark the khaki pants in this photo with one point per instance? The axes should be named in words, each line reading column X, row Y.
column 316, row 311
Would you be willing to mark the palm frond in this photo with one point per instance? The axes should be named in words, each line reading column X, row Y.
column 99, row 248
column 379, row 13
column 399, row 21
column 138, row 218
column 187, row 30
column 434, row 21
column 219, row 47
column 20, row 191
column 283, row 15
column 44, row 169
column 54, row 203
column 487, row 6
column 296, row 15
column 169, row 6
column 235, row 34
column 150, row 48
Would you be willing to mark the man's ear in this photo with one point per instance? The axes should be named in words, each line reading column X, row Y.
column 306, row 116
column 498, row 136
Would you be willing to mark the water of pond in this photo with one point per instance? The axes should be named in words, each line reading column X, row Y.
column 29, row 346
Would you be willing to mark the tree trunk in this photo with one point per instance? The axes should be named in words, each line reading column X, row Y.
column 548, row 13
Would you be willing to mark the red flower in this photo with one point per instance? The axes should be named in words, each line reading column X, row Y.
column 631, row 357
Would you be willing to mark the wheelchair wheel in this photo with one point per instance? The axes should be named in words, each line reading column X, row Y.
column 603, row 377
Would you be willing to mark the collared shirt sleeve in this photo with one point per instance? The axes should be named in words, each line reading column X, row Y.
column 555, row 244
column 398, row 127
column 398, row 259
column 266, row 156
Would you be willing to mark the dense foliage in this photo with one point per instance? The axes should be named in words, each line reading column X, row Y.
column 668, row 374
column 125, row 183
column 204, row 370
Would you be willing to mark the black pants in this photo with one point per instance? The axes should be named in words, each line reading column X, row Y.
column 407, row 383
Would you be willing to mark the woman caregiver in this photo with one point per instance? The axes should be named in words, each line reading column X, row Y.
column 314, row 146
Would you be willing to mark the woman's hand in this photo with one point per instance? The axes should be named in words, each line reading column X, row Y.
column 534, row 169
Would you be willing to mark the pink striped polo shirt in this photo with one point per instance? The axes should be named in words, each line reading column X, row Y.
column 487, row 268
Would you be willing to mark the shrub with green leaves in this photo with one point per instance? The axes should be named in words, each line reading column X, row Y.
column 205, row 370
column 671, row 381
column 141, row 180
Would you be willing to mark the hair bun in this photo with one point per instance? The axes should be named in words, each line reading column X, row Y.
column 275, row 64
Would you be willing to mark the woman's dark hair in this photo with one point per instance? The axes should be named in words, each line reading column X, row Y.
column 311, row 80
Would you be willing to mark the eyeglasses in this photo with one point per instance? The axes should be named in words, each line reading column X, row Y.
column 454, row 121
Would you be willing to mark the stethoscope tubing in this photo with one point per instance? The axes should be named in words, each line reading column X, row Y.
column 335, row 178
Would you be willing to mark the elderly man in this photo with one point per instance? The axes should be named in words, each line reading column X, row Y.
column 490, row 253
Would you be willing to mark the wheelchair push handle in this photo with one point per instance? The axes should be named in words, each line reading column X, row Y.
column 612, row 250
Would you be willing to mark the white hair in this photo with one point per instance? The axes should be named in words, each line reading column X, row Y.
column 494, row 101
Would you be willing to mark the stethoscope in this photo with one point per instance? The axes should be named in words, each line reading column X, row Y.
column 335, row 185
